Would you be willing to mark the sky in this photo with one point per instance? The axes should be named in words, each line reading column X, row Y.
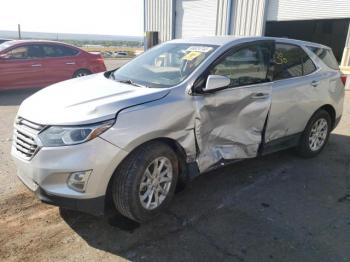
column 105, row 17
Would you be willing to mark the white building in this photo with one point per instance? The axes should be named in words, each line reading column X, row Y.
column 322, row 21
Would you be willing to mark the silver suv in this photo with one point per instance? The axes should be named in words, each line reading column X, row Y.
column 178, row 110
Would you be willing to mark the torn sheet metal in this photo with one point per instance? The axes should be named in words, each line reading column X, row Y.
column 229, row 123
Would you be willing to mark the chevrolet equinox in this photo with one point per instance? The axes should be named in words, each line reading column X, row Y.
column 182, row 108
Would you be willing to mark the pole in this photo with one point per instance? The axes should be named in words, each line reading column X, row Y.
column 19, row 31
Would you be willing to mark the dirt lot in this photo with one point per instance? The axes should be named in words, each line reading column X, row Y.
column 275, row 208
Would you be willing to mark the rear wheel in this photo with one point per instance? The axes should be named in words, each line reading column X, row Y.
column 315, row 135
column 81, row 73
column 145, row 182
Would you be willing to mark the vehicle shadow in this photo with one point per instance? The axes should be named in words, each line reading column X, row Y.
column 174, row 235
column 15, row 97
column 119, row 235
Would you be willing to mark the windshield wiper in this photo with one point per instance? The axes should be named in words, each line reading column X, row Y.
column 130, row 82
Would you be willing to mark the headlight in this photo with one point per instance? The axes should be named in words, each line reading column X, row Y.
column 71, row 135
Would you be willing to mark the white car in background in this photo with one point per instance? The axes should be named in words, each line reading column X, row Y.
column 120, row 54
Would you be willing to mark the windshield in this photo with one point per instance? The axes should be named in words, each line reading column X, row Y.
column 5, row 45
column 165, row 65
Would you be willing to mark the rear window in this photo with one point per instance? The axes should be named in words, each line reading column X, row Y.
column 326, row 55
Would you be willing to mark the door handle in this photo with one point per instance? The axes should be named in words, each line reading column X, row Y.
column 70, row 63
column 315, row 83
column 36, row 65
column 260, row 95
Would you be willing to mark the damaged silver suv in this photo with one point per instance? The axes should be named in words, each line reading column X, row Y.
column 180, row 109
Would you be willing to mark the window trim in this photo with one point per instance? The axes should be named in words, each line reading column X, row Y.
column 305, row 51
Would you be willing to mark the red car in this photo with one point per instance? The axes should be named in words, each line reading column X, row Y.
column 26, row 63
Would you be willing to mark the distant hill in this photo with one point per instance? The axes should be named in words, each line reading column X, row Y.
column 62, row 36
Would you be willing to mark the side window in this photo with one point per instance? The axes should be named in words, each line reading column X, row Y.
column 326, row 55
column 65, row 51
column 18, row 53
column 25, row 52
column 49, row 51
column 58, row 51
column 291, row 61
column 248, row 65
column 308, row 65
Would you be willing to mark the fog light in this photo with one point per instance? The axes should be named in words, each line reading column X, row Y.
column 78, row 180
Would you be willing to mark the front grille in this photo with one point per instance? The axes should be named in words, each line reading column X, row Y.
column 24, row 138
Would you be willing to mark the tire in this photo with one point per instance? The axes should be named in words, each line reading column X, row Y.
column 312, row 142
column 127, row 190
column 81, row 73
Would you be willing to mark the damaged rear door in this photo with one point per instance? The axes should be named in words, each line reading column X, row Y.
column 229, row 122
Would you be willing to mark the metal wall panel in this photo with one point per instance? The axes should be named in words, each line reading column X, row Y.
column 195, row 18
column 223, row 16
column 248, row 17
column 189, row 18
column 159, row 16
column 279, row 10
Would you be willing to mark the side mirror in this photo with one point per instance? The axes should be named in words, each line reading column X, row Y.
column 215, row 82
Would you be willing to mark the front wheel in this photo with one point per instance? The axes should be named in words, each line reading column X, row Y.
column 315, row 135
column 145, row 182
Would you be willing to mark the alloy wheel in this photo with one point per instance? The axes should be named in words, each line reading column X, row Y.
column 155, row 183
column 81, row 74
column 318, row 134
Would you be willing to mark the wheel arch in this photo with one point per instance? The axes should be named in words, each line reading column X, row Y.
column 81, row 69
column 180, row 152
column 331, row 111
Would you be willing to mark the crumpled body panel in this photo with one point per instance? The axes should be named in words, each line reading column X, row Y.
column 229, row 123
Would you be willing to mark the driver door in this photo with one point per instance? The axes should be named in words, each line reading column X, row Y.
column 230, row 121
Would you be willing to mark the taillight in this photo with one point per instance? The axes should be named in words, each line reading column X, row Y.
column 343, row 79
column 100, row 59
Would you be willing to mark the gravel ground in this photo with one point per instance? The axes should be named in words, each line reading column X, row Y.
column 115, row 63
column 275, row 208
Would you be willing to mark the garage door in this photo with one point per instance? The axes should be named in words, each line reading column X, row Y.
column 282, row 10
column 195, row 18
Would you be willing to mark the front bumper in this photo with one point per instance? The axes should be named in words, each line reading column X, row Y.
column 94, row 206
column 47, row 173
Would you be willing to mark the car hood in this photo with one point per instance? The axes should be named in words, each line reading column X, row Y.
column 85, row 100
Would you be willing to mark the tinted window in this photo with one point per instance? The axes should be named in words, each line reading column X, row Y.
column 246, row 66
column 327, row 56
column 25, row 52
column 66, row 51
column 291, row 61
column 58, row 51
